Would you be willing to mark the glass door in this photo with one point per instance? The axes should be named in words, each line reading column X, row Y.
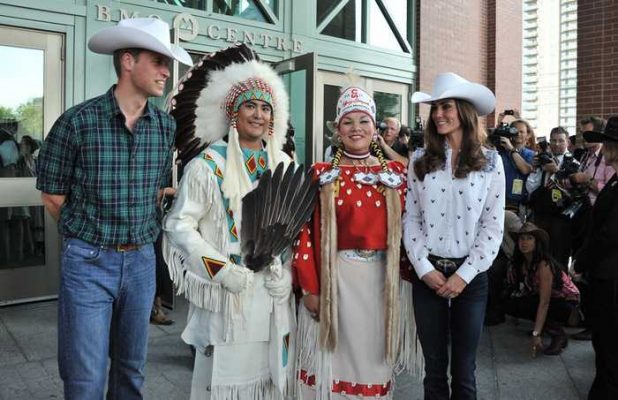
column 298, row 74
column 391, row 99
column 31, row 78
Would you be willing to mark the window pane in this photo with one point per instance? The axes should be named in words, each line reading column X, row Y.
column 244, row 8
column 21, row 109
column 196, row 4
column 324, row 7
column 344, row 24
column 380, row 34
column 22, row 236
column 388, row 105
column 273, row 5
column 398, row 11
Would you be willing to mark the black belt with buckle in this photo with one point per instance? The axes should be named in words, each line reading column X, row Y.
column 125, row 247
column 447, row 266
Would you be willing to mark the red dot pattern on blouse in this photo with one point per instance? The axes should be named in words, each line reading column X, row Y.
column 361, row 209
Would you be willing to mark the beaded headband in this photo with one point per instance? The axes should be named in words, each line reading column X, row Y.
column 251, row 89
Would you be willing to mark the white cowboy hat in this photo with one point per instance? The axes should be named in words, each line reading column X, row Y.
column 452, row 86
column 142, row 33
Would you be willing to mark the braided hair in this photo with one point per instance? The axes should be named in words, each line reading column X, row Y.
column 380, row 154
column 337, row 157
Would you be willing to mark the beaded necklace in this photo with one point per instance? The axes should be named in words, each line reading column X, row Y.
column 386, row 176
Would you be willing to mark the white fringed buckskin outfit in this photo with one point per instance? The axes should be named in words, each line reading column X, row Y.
column 242, row 334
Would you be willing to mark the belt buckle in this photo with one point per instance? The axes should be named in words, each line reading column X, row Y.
column 366, row 254
column 121, row 248
column 446, row 265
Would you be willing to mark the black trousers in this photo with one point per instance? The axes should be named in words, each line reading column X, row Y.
column 604, row 313
column 580, row 231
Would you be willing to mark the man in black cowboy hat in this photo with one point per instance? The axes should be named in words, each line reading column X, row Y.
column 101, row 169
column 593, row 175
column 598, row 257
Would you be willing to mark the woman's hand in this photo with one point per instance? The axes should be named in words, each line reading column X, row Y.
column 312, row 304
column 434, row 279
column 537, row 345
column 452, row 288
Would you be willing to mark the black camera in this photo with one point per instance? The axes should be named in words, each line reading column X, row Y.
column 381, row 125
column 544, row 156
column 509, row 112
column 417, row 135
column 575, row 197
column 504, row 130
column 568, row 167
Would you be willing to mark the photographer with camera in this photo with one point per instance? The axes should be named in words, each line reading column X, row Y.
column 510, row 141
column 594, row 172
column 549, row 199
column 389, row 140
column 530, row 141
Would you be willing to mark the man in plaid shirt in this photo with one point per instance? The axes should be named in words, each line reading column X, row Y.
column 101, row 170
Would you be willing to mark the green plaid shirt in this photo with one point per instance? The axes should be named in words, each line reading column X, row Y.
column 110, row 176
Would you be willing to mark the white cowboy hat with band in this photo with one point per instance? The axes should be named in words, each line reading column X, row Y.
column 449, row 85
column 141, row 33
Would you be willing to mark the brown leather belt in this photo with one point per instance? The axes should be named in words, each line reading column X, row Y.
column 125, row 247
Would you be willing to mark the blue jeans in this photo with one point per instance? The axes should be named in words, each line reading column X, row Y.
column 462, row 322
column 104, row 307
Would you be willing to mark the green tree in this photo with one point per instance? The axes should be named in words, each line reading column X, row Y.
column 7, row 113
column 30, row 115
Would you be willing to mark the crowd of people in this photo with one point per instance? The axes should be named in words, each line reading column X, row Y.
column 398, row 267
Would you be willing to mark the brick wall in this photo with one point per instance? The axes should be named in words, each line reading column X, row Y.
column 508, row 53
column 463, row 37
column 597, row 58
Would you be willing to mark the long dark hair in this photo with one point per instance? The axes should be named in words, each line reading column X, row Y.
column 540, row 254
column 471, row 156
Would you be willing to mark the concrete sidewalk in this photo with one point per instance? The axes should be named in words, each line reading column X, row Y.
column 506, row 371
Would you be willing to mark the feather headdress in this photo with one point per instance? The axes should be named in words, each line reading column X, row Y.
column 213, row 119
column 205, row 110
